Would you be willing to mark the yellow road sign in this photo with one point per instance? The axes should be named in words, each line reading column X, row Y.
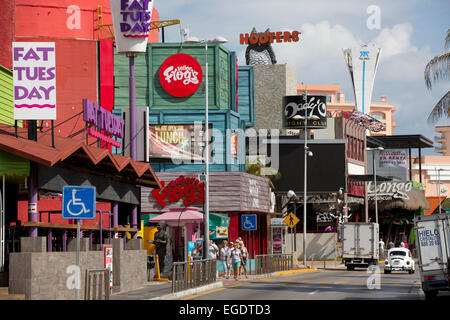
column 291, row 220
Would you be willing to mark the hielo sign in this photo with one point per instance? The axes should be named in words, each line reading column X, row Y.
column 295, row 108
column 180, row 75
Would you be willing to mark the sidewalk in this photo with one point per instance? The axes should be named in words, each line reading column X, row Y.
column 155, row 290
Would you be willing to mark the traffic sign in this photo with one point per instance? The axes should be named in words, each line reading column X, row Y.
column 78, row 202
column 291, row 220
column 248, row 222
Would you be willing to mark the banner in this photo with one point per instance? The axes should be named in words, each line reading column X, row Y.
column 177, row 141
column 393, row 158
column 34, row 80
column 131, row 21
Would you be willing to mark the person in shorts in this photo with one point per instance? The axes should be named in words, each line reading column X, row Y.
column 236, row 258
column 244, row 253
column 230, row 247
column 224, row 254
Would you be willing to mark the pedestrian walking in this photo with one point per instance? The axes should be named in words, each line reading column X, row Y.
column 224, row 254
column 244, row 253
column 402, row 244
column 391, row 244
column 230, row 247
column 213, row 250
column 381, row 247
column 236, row 258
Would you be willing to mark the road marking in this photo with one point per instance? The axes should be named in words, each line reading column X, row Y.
column 325, row 281
column 305, row 280
column 202, row 294
column 314, row 292
column 341, row 282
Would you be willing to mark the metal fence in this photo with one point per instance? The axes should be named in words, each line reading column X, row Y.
column 97, row 284
column 268, row 263
column 192, row 274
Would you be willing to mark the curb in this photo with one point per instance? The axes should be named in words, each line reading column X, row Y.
column 176, row 295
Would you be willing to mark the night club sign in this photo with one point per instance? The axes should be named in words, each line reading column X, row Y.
column 295, row 108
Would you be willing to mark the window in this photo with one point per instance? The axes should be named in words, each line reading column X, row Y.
column 398, row 253
column 378, row 115
column 328, row 98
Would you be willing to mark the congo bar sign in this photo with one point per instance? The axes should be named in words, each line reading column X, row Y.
column 180, row 75
column 390, row 190
column 131, row 21
column 296, row 109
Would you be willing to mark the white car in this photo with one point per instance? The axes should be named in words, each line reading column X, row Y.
column 399, row 259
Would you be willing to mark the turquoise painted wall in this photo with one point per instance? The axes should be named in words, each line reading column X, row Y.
column 220, row 120
column 149, row 91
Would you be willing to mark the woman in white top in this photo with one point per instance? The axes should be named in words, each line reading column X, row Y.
column 224, row 254
column 236, row 258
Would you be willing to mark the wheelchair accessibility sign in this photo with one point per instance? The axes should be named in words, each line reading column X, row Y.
column 78, row 202
column 248, row 222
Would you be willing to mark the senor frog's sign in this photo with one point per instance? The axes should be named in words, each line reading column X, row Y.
column 180, row 75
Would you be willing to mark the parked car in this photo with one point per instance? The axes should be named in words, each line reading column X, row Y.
column 399, row 259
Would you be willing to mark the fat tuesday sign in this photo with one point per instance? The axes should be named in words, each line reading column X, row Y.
column 34, row 80
column 180, row 75
column 131, row 21
column 295, row 108
column 390, row 190
column 104, row 120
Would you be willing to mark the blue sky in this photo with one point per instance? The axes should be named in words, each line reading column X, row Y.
column 411, row 33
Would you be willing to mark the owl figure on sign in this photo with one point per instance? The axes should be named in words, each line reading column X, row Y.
column 259, row 53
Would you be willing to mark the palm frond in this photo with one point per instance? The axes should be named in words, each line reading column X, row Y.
column 438, row 68
column 447, row 40
column 440, row 110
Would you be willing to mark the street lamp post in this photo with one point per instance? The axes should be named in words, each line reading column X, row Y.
column 375, row 178
column 206, row 134
column 307, row 153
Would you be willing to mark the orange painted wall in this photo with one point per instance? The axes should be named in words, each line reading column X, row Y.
column 49, row 18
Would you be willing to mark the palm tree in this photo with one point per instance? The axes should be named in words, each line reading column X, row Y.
column 438, row 69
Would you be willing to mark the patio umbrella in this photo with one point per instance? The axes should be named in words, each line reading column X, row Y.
column 177, row 216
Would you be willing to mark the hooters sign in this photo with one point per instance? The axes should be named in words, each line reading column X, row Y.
column 180, row 75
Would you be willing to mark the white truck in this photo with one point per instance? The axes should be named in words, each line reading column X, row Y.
column 433, row 243
column 360, row 244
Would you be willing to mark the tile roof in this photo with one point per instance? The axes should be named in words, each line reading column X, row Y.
column 42, row 152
